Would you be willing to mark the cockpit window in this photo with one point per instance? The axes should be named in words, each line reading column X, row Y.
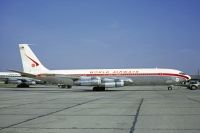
column 182, row 73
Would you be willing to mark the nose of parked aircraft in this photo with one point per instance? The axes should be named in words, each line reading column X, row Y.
column 188, row 77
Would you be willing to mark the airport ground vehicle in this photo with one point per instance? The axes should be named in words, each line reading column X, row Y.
column 193, row 84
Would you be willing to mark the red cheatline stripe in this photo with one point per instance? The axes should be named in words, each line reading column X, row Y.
column 37, row 64
column 127, row 75
column 138, row 74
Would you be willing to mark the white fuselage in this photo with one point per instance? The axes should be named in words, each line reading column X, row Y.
column 152, row 76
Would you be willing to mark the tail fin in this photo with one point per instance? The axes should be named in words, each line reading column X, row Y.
column 30, row 62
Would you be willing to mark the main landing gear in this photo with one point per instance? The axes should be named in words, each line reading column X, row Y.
column 64, row 86
column 170, row 87
column 98, row 88
column 23, row 85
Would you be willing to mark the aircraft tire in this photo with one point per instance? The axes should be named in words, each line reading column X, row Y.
column 6, row 82
column 98, row 88
column 170, row 88
column 61, row 86
column 69, row 86
column 22, row 86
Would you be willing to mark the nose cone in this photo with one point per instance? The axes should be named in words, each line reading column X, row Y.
column 188, row 77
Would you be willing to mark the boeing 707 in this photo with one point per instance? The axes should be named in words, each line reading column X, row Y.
column 99, row 79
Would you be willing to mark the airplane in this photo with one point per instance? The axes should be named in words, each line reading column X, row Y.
column 16, row 78
column 99, row 79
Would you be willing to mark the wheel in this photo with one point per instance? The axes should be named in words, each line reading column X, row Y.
column 193, row 87
column 170, row 88
column 98, row 88
column 69, row 86
column 61, row 86
column 6, row 82
column 95, row 89
column 22, row 86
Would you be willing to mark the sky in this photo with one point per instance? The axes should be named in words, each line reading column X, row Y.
column 83, row 34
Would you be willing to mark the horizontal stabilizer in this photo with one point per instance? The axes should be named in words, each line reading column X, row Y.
column 23, row 74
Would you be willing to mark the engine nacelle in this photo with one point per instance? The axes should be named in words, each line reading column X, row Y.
column 88, row 81
column 105, row 80
column 13, row 82
column 18, row 82
column 97, row 81
column 112, row 84
column 30, row 82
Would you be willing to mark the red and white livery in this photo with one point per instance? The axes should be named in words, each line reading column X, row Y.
column 98, row 78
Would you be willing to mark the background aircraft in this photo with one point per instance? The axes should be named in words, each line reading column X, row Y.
column 16, row 78
column 98, row 78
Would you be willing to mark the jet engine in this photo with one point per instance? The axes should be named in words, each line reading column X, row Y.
column 20, row 82
column 88, row 81
column 119, row 83
column 97, row 81
column 10, row 81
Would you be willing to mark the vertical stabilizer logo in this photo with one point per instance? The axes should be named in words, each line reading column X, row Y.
column 34, row 63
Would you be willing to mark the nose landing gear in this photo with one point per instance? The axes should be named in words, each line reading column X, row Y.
column 170, row 87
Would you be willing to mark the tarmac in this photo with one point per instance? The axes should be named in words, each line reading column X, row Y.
column 152, row 109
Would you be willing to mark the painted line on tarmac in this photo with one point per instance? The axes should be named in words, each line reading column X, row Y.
column 40, row 116
column 11, row 106
column 194, row 100
column 136, row 116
